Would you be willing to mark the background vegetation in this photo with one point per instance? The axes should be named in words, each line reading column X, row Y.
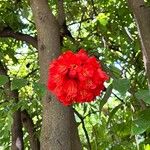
column 119, row 119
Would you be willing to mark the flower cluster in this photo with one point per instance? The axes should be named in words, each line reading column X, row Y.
column 76, row 78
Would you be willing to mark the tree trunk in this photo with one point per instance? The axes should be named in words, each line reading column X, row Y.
column 17, row 134
column 59, row 131
column 142, row 16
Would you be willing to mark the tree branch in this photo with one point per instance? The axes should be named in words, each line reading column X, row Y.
column 17, row 134
column 19, row 118
column 29, row 125
column 8, row 32
column 62, row 22
column 61, row 12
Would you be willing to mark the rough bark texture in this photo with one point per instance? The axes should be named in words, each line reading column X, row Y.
column 17, row 134
column 142, row 16
column 59, row 130
column 29, row 125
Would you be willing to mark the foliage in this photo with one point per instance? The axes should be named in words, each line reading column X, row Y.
column 119, row 119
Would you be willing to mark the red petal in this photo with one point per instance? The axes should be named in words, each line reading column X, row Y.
column 70, row 87
column 102, row 75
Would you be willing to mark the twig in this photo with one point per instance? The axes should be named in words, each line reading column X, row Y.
column 90, row 113
column 84, row 128
column 118, row 97
column 32, row 72
column 80, row 23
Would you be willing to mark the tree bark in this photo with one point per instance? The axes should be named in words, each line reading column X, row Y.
column 17, row 134
column 59, row 131
column 8, row 32
column 29, row 125
column 142, row 17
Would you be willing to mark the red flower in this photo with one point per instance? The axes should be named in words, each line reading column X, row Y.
column 76, row 78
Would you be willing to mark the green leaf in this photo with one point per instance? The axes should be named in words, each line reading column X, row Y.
column 143, row 95
column 112, row 113
column 11, row 54
column 3, row 80
column 142, row 123
column 147, row 147
column 18, row 83
column 121, row 85
column 40, row 89
column 106, row 97
column 103, row 18
column 116, row 71
column 122, row 129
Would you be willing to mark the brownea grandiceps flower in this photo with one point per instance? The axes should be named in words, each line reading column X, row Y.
column 76, row 77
